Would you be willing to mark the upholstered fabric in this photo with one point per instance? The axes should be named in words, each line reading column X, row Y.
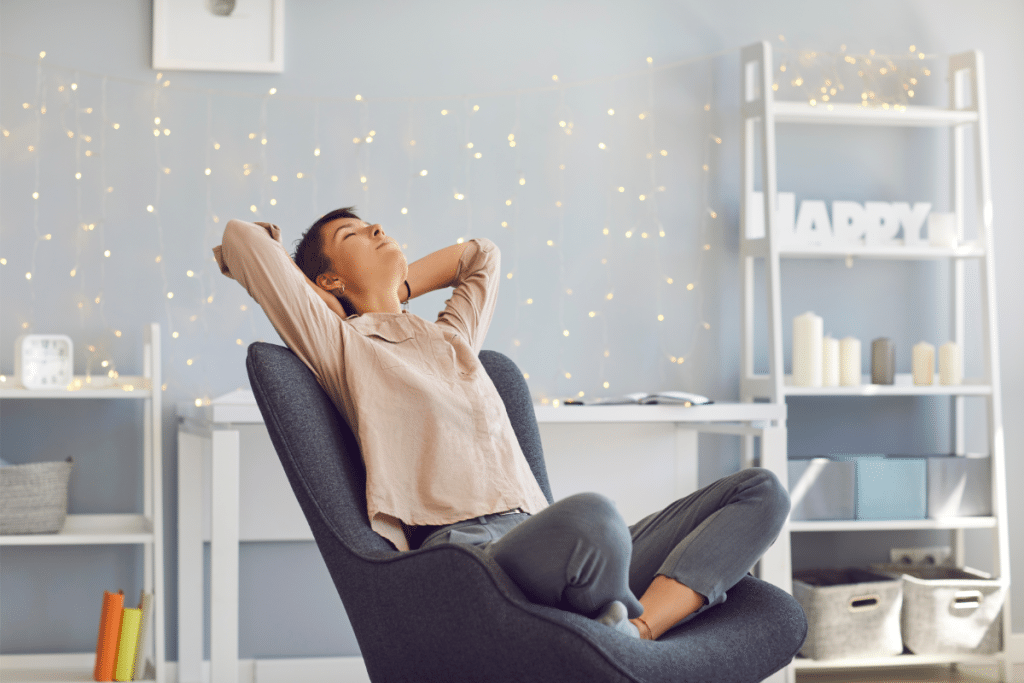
column 449, row 612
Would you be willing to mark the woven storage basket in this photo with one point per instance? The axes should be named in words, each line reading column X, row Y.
column 34, row 497
column 850, row 613
column 950, row 610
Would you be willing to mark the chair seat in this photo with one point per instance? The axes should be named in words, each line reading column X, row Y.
column 449, row 612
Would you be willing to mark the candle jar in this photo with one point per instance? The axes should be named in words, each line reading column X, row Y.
column 883, row 361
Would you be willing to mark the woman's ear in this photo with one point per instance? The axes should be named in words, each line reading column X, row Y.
column 329, row 283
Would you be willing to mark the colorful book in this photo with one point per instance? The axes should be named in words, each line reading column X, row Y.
column 110, row 634
column 130, row 618
column 146, row 605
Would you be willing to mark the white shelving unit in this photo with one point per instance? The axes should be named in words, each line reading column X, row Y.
column 760, row 114
column 106, row 529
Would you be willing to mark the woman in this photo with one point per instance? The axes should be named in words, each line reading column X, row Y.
column 442, row 461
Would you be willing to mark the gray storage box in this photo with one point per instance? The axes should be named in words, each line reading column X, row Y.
column 821, row 488
column 948, row 610
column 959, row 486
column 890, row 487
column 850, row 613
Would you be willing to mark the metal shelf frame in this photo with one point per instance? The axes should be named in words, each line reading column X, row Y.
column 760, row 114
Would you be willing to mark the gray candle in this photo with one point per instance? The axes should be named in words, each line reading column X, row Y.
column 883, row 361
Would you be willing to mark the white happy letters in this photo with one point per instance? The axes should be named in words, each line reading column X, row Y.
column 871, row 223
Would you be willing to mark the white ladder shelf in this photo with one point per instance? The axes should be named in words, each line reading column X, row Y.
column 760, row 114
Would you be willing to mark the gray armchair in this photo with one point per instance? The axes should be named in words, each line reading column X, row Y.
column 450, row 613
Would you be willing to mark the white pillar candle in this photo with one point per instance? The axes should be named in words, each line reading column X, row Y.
column 849, row 362
column 807, row 343
column 923, row 363
column 951, row 364
column 830, row 362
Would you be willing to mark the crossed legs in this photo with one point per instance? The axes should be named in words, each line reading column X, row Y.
column 579, row 555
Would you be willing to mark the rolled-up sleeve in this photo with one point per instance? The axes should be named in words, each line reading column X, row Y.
column 253, row 255
column 471, row 306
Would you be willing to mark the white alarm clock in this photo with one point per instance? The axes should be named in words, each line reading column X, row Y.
column 43, row 361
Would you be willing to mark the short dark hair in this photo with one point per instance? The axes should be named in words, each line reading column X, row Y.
column 309, row 250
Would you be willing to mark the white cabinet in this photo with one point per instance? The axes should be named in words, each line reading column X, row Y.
column 144, row 529
column 760, row 114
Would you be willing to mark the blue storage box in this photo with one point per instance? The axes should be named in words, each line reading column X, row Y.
column 890, row 487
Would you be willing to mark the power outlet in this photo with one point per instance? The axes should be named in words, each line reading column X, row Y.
column 921, row 557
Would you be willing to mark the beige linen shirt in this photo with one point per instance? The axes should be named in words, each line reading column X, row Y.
column 435, row 438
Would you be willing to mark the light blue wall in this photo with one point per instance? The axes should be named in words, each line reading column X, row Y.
column 409, row 61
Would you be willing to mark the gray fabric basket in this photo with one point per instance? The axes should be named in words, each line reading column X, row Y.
column 850, row 613
column 949, row 610
column 34, row 497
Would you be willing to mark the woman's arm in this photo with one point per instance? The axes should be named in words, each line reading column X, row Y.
column 329, row 299
column 434, row 271
column 307, row 322
column 476, row 278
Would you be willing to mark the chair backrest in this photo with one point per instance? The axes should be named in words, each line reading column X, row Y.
column 320, row 454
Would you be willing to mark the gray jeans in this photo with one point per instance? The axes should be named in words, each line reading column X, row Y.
column 579, row 555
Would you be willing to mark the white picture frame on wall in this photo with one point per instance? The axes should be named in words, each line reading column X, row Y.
column 219, row 35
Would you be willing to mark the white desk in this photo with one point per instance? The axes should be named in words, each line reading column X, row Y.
column 212, row 433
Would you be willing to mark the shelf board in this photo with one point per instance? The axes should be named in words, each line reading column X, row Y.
column 50, row 668
column 856, row 114
column 803, row 664
column 109, row 529
column 759, row 385
column 892, row 252
column 125, row 386
column 892, row 524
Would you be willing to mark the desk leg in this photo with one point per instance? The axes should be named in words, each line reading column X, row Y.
column 224, row 558
column 686, row 460
column 776, row 565
column 190, row 557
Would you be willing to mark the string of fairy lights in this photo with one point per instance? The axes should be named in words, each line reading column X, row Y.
column 190, row 299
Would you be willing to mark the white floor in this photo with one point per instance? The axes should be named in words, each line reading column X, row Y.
column 932, row 674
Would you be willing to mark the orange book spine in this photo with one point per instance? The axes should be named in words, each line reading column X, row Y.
column 109, row 635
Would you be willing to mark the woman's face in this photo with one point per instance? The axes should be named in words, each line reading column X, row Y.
column 362, row 257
